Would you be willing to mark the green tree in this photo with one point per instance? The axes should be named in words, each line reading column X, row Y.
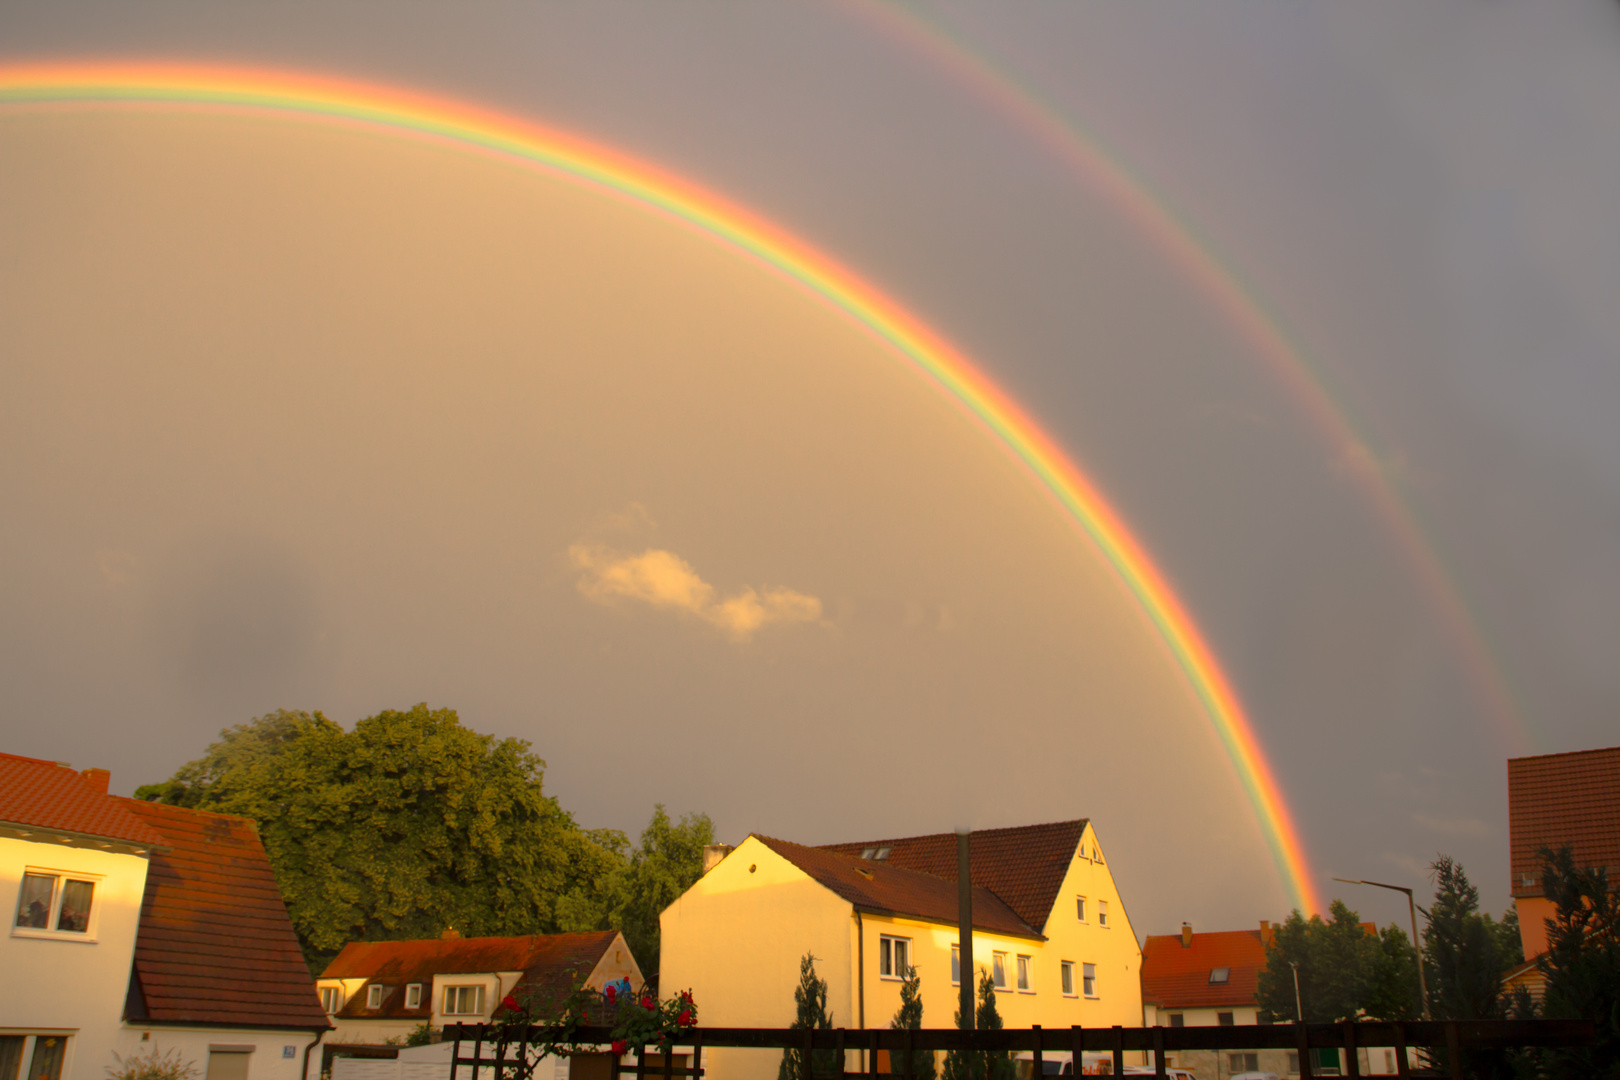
column 406, row 825
column 1582, row 964
column 909, row 1018
column 1344, row 971
column 1462, row 948
column 970, row 1065
column 667, row 862
column 810, row 1013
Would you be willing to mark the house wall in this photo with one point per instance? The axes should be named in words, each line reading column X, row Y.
column 268, row 1051
column 1533, row 912
column 735, row 939
column 71, row 984
column 1112, row 947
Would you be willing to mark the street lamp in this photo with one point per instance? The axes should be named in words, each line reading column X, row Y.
column 1423, row 983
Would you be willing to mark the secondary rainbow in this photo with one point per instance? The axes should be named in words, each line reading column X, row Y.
column 1221, row 286
column 101, row 85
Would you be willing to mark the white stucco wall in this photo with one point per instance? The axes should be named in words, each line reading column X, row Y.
column 268, row 1050
column 63, row 983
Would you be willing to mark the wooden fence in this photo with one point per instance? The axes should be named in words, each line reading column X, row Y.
column 1445, row 1042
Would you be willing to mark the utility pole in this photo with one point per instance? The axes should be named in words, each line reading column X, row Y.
column 1411, row 906
column 1299, row 1009
column 964, row 923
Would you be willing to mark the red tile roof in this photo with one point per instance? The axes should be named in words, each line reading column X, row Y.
column 49, row 795
column 1025, row 866
column 1559, row 799
column 215, row 945
column 1176, row 977
column 551, row 965
column 882, row 887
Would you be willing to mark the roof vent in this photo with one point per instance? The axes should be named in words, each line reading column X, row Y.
column 1218, row 976
column 449, row 933
column 864, row 872
column 1186, row 935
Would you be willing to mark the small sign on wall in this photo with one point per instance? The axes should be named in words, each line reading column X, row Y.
column 289, row 1051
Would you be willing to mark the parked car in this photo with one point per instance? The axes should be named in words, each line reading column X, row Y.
column 1253, row 1076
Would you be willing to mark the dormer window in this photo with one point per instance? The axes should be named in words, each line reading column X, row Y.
column 374, row 996
column 413, row 996
column 1220, row 976
column 876, row 854
column 331, row 1000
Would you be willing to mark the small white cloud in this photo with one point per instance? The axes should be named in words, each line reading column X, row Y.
column 665, row 580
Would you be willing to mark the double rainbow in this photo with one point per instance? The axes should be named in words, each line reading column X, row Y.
column 466, row 128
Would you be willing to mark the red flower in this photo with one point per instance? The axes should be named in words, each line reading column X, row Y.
column 612, row 993
column 686, row 997
column 619, row 1046
column 646, row 1003
column 510, row 1002
column 685, row 1019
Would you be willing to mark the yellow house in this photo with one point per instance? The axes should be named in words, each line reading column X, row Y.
column 1048, row 926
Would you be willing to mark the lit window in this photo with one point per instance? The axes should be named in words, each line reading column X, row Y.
column 894, row 957
column 55, row 903
column 1088, row 979
column 374, row 996
column 998, row 970
column 1220, row 975
column 956, row 965
column 1102, row 913
column 1224, row 1019
column 413, row 996
column 464, row 1001
column 1026, row 982
column 1067, row 968
column 1080, row 908
column 331, row 999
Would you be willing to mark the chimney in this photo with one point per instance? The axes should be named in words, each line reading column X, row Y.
column 1265, row 931
column 1186, row 935
column 449, row 933
column 96, row 779
column 713, row 853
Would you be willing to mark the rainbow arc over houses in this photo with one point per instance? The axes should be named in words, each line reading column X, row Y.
column 114, row 85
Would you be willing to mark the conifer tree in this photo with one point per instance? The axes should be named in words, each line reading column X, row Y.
column 971, row 1065
column 810, row 1000
column 1582, row 964
column 909, row 1018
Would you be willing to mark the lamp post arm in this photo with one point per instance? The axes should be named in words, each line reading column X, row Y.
column 1411, row 904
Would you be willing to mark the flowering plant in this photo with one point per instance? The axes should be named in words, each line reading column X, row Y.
column 635, row 1019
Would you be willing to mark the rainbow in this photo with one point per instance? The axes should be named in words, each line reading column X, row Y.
column 466, row 128
column 1222, row 287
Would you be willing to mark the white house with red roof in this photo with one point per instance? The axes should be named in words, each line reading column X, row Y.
column 140, row 928
column 1208, row 980
column 381, row 990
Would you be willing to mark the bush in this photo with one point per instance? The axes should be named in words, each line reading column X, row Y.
column 153, row 1066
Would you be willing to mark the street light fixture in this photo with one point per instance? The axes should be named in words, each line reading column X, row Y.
column 1423, row 982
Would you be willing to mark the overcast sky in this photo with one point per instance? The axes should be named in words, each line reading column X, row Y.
column 308, row 420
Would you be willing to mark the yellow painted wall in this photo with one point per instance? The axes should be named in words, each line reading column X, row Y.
column 1112, row 947
column 1534, row 911
column 735, row 938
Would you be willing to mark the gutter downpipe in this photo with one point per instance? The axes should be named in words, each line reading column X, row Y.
column 860, row 979
column 319, row 1035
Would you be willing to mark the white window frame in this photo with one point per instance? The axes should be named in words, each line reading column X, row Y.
column 331, row 999
column 1080, row 908
column 894, row 957
column 413, row 995
column 1025, row 973
column 374, row 995
column 956, row 965
column 1066, row 972
column 1102, row 914
column 58, row 893
column 1088, row 980
column 478, row 1000
column 998, row 970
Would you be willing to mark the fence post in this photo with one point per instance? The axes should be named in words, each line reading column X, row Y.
column 909, row 1070
column 1077, row 1048
column 1158, row 1052
column 455, row 1053
column 613, row 1065
column 1454, row 1049
column 809, row 1049
column 1119, row 1050
column 1039, row 1071
column 1403, row 1068
column 1352, row 1059
column 1303, row 1039
column 840, row 1039
column 669, row 1062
